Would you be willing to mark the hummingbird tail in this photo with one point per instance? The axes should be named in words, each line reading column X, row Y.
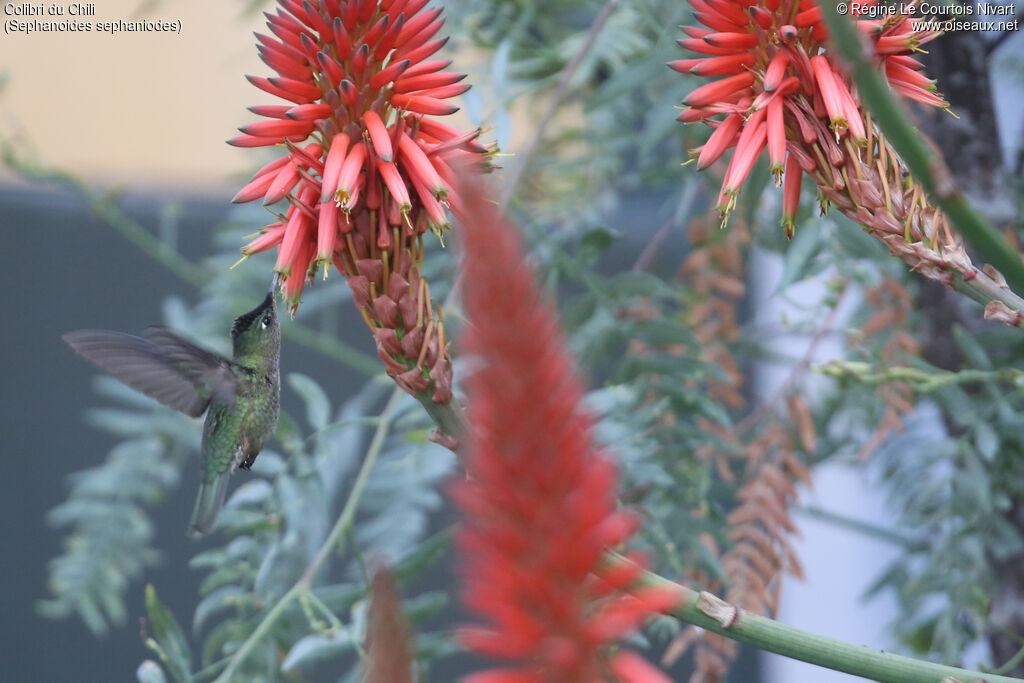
column 208, row 504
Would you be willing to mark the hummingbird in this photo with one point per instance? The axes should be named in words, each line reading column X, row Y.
column 240, row 395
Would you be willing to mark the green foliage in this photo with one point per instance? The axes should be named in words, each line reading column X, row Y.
column 613, row 131
column 110, row 542
column 955, row 476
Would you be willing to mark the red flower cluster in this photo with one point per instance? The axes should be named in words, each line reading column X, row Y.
column 782, row 90
column 539, row 505
column 377, row 172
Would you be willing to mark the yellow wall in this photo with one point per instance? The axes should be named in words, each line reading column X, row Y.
column 143, row 108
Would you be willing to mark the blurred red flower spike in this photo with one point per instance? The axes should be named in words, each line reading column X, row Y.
column 540, row 501
column 632, row 668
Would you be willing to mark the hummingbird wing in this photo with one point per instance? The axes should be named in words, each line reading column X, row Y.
column 162, row 365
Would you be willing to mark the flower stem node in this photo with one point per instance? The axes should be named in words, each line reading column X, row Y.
column 721, row 611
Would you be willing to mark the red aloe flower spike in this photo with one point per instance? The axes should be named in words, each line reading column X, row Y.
column 630, row 667
column 338, row 63
column 539, row 507
column 809, row 114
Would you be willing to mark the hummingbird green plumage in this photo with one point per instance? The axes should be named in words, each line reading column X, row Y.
column 240, row 395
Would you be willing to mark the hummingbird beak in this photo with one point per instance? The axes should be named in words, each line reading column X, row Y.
column 274, row 282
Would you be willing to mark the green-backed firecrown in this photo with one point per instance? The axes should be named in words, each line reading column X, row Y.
column 242, row 394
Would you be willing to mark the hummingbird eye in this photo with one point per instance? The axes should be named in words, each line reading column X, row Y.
column 267, row 320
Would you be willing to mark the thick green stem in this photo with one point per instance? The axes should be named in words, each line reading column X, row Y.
column 924, row 165
column 710, row 613
column 334, row 541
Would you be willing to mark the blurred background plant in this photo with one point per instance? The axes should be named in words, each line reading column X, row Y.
column 727, row 368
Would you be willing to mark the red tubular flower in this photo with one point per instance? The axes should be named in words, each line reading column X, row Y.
column 360, row 84
column 540, row 503
column 789, row 95
column 773, row 55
